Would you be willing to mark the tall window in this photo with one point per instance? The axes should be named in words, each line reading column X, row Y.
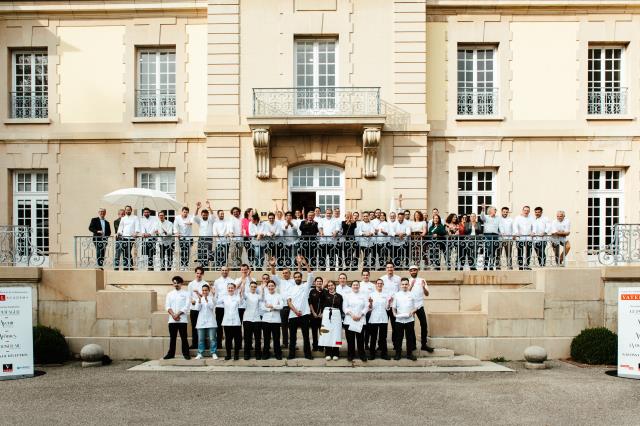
column 604, row 206
column 315, row 75
column 317, row 186
column 156, row 93
column 161, row 180
column 30, row 83
column 477, row 91
column 606, row 95
column 31, row 207
column 475, row 188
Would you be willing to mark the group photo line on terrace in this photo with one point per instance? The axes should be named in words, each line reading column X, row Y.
column 490, row 240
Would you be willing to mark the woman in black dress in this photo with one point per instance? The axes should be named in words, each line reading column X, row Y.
column 331, row 299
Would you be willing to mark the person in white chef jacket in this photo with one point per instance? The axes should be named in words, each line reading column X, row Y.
column 271, row 305
column 206, row 325
column 300, row 312
column 252, row 321
column 404, row 308
column 378, row 320
column 220, row 285
column 283, row 285
column 195, row 290
column 231, row 320
column 391, row 287
column 419, row 289
column 355, row 307
column 177, row 306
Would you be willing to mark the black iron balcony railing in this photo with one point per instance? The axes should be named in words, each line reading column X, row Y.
column 17, row 247
column 28, row 105
column 316, row 101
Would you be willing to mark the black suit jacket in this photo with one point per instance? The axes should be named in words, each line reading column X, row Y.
column 94, row 227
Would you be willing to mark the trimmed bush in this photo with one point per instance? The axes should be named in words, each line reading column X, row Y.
column 595, row 346
column 49, row 346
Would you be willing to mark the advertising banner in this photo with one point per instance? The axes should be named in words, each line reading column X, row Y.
column 16, row 332
column 629, row 332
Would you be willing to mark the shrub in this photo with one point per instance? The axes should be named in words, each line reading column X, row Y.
column 49, row 345
column 595, row 346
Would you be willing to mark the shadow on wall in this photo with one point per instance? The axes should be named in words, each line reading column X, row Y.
column 397, row 119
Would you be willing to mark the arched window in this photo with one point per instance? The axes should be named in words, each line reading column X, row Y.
column 316, row 185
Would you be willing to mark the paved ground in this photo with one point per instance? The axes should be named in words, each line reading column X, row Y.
column 565, row 395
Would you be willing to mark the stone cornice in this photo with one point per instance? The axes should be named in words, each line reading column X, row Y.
column 452, row 7
column 100, row 7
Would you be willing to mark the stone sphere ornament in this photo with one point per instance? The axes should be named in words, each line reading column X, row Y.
column 91, row 355
column 535, row 356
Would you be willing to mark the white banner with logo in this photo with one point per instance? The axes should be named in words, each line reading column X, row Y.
column 16, row 332
column 629, row 332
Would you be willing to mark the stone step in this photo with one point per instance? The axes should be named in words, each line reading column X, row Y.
column 437, row 353
column 455, row 361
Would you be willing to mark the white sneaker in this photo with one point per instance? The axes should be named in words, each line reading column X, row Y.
column 328, row 358
column 214, row 356
column 335, row 358
column 198, row 356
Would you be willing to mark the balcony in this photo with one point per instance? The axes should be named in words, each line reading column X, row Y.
column 155, row 104
column 607, row 102
column 478, row 102
column 28, row 105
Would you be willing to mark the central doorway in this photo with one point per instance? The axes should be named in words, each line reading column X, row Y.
column 316, row 185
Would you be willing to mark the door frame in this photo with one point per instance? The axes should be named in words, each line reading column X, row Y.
column 319, row 190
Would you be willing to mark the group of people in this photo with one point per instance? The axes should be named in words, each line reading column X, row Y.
column 336, row 241
column 250, row 314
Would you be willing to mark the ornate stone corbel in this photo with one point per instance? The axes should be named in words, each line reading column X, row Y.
column 370, row 142
column 262, row 149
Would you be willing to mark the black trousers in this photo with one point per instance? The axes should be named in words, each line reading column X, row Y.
column 272, row 330
column 166, row 256
column 327, row 256
column 301, row 323
column 331, row 351
column 252, row 333
column 127, row 245
column 232, row 338
column 382, row 252
column 284, row 318
column 378, row 334
column 219, row 329
column 205, row 245
column 394, row 329
column 354, row 339
column 405, row 330
column 315, row 324
column 349, row 251
column 524, row 253
column 174, row 329
column 400, row 255
column 422, row 317
column 222, row 252
column 101, row 247
column 185, row 251
column 193, row 316
column 149, row 249
column 540, row 248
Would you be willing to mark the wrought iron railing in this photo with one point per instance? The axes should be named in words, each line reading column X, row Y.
column 624, row 247
column 155, row 103
column 28, row 105
column 316, row 101
column 17, row 247
column 478, row 101
column 340, row 253
column 607, row 101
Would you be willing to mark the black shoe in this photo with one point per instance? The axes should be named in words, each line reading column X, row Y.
column 363, row 358
column 236, row 357
column 385, row 357
column 227, row 358
column 187, row 357
column 315, row 349
column 350, row 358
column 412, row 357
column 310, row 357
column 266, row 356
column 397, row 357
column 427, row 348
column 291, row 356
column 167, row 356
column 193, row 347
column 246, row 357
column 278, row 357
column 372, row 356
column 258, row 355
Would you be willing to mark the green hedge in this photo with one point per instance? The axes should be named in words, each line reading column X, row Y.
column 49, row 346
column 595, row 346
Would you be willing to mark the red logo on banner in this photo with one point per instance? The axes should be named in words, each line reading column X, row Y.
column 7, row 368
column 622, row 297
column 3, row 297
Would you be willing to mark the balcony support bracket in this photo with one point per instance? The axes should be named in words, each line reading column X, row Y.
column 261, row 145
column 370, row 142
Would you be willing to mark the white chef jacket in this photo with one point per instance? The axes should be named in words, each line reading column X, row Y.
column 417, row 292
column 299, row 296
column 541, row 226
column 326, row 226
column 129, row 226
column 399, row 228
column 247, row 282
column 195, row 285
column 147, row 226
column 205, row 227
column 557, row 226
column 391, row 284
column 404, row 302
column 379, row 307
column 231, row 314
column 283, row 286
column 183, row 227
column 207, row 316
column 164, row 230
column 354, row 304
column 343, row 291
column 367, row 288
column 505, row 225
column 523, row 227
column 290, row 232
column 365, row 231
column 383, row 227
column 220, row 285
column 222, row 229
column 254, row 232
column 271, row 315
column 252, row 306
column 178, row 301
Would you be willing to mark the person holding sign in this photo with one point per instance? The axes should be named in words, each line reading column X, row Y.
column 404, row 307
column 331, row 328
column 177, row 305
column 355, row 307
column 298, row 301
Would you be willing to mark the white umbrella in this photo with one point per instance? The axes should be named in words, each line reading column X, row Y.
column 139, row 198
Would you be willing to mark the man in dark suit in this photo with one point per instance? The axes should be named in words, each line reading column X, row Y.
column 101, row 231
